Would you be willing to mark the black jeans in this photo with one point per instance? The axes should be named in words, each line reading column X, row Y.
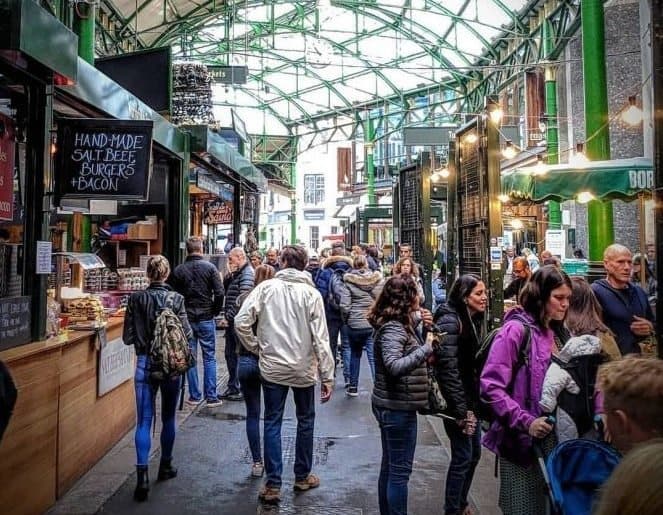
column 465, row 454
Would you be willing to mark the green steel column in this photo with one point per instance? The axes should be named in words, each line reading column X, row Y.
column 597, row 136
column 293, row 204
column 552, row 131
column 369, row 137
column 84, row 19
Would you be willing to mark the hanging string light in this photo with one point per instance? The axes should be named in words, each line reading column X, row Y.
column 632, row 115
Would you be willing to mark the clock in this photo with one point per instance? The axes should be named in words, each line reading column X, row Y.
column 318, row 52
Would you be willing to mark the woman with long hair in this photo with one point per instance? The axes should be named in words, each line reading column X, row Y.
column 401, row 386
column 248, row 373
column 139, row 323
column 460, row 318
column 511, row 389
column 407, row 266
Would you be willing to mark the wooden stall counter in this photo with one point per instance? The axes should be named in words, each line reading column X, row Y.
column 75, row 401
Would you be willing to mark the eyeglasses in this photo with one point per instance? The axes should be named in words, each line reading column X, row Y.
column 516, row 272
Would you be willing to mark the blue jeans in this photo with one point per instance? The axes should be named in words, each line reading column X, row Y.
column 204, row 332
column 230, row 354
column 398, row 430
column 145, row 396
column 248, row 373
column 360, row 339
column 275, row 397
column 465, row 454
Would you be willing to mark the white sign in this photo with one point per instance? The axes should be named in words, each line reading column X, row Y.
column 556, row 242
column 116, row 365
column 496, row 255
column 44, row 251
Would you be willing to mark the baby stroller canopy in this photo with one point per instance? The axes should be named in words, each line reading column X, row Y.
column 577, row 469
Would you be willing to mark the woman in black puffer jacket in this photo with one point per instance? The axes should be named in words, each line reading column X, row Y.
column 401, row 386
column 460, row 318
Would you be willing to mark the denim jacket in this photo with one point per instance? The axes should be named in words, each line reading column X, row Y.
column 515, row 411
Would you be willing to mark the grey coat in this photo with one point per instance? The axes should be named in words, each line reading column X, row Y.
column 401, row 377
column 361, row 287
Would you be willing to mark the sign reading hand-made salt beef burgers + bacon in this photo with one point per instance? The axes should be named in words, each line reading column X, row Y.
column 103, row 158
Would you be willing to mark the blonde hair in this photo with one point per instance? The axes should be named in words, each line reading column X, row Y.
column 360, row 262
column 634, row 488
column 634, row 385
column 158, row 268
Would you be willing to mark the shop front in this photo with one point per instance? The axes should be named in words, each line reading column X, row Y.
column 91, row 182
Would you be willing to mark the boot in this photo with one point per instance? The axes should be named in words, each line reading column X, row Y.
column 142, row 484
column 166, row 470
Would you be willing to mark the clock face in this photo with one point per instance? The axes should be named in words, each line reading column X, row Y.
column 318, row 52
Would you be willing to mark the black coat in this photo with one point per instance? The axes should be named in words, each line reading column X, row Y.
column 455, row 362
column 199, row 282
column 241, row 281
column 141, row 315
column 401, row 377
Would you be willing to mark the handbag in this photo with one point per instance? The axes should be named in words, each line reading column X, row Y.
column 436, row 402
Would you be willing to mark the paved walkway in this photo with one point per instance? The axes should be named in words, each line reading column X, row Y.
column 212, row 455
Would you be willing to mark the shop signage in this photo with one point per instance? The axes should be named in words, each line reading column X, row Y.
column 314, row 214
column 14, row 321
column 103, row 158
column 228, row 74
column 556, row 242
column 218, row 212
column 116, row 364
column 6, row 169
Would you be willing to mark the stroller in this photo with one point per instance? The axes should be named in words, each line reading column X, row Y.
column 574, row 473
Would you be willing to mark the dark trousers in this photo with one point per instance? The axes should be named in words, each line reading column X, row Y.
column 465, row 454
column 230, row 353
column 275, row 396
column 398, row 431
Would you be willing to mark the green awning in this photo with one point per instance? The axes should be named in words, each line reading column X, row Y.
column 623, row 179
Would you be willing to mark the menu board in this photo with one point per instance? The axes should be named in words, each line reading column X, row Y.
column 218, row 212
column 14, row 321
column 99, row 158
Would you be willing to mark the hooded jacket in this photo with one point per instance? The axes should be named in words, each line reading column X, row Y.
column 361, row 289
column 291, row 335
column 332, row 264
column 619, row 306
column 515, row 411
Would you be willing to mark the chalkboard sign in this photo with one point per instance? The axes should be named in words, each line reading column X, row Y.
column 103, row 158
column 15, row 317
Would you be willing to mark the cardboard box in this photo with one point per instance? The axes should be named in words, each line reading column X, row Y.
column 146, row 231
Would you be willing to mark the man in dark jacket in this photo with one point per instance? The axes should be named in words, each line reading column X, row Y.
column 199, row 282
column 241, row 281
column 626, row 309
column 334, row 267
column 521, row 274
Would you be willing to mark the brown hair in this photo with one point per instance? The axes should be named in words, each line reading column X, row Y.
column 262, row 273
column 585, row 313
column 634, row 385
column 399, row 264
column 535, row 294
column 194, row 244
column 634, row 487
column 395, row 302
column 294, row 256
column 158, row 268
column 359, row 262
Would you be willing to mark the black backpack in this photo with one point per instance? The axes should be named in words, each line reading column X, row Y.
column 333, row 293
column 580, row 407
column 484, row 410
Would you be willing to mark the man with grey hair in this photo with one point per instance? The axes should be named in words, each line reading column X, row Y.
column 198, row 281
column 239, row 283
column 626, row 309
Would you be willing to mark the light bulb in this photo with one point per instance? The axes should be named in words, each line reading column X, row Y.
column 540, row 168
column 444, row 173
column 509, row 150
column 503, row 198
column 632, row 114
column 435, row 177
column 470, row 138
column 585, row 196
column 516, row 224
column 496, row 115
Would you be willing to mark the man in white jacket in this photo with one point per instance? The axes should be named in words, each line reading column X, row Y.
column 292, row 343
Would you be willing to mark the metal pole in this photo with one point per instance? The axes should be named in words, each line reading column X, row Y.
column 657, row 81
column 597, row 134
column 84, row 20
column 293, row 204
column 426, row 251
column 369, row 137
column 552, row 132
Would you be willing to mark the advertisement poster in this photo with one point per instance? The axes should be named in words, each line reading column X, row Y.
column 6, row 168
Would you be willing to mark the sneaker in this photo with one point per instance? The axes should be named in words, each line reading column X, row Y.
column 193, row 402
column 257, row 469
column 213, row 403
column 311, row 481
column 270, row 494
column 235, row 397
column 228, row 393
column 352, row 391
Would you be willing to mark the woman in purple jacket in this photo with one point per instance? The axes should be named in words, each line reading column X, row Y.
column 512, row 392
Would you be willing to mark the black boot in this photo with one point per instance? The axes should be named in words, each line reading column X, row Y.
column 142, row 483
column 166, row 470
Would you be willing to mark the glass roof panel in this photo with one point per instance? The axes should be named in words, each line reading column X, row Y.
column 317, row 56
